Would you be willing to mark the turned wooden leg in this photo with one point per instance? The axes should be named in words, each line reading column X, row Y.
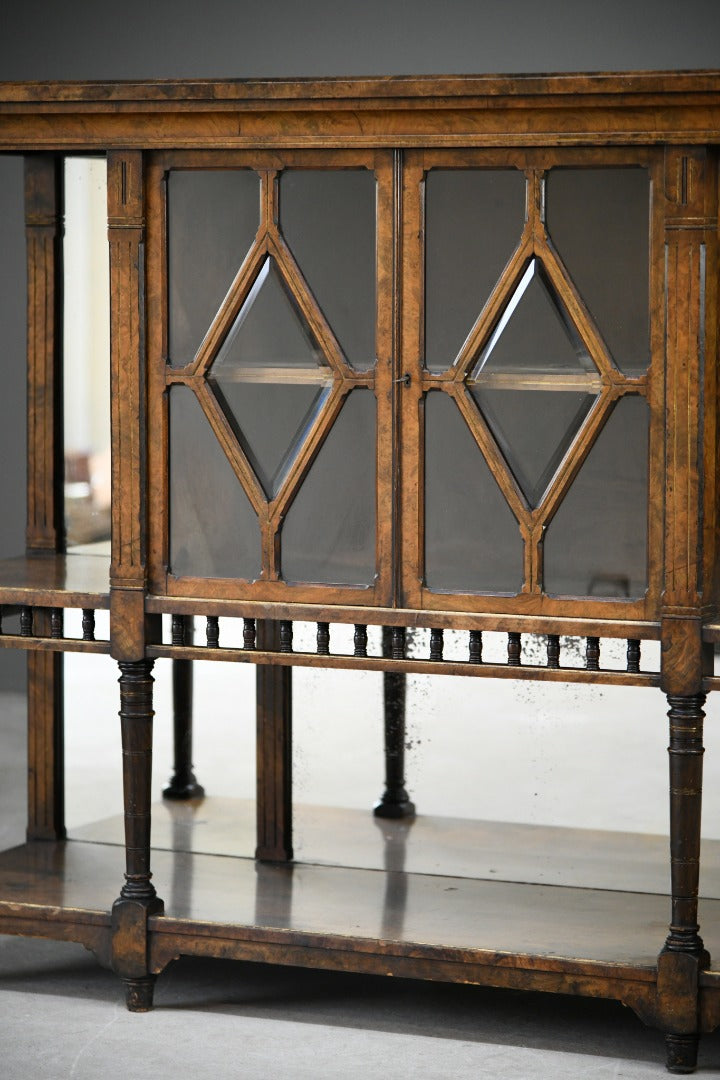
column 394, row 801
column 274, row 749
column 183, row 783
column 686, row 756
column 684, row 954
column 138, row 898
column 136, row 719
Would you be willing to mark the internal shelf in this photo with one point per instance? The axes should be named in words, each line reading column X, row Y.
column 499, row 897
column 50, row 580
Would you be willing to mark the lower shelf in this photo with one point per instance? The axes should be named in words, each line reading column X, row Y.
column 374, row 916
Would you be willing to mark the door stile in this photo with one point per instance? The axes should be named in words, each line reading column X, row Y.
column 157, row 352
column 389, row 311
column 411, row 451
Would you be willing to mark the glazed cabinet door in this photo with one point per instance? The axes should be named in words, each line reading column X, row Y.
column 270, row 375
column 532, row 427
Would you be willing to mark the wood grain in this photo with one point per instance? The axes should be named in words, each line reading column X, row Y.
column 126, row 232
column 599, row 941
column 45, row 530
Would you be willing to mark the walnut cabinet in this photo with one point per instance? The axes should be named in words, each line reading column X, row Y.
column 426, row 357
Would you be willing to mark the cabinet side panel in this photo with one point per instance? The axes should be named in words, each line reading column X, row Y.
column 45, row 518
column 43, row 228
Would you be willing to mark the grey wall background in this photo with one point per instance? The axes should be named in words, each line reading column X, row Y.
column 84, row 39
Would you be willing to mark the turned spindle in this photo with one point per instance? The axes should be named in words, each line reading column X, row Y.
column 88, row 624
column 286, row 636
column 592, row 654
column 212, row 632
column 360, row 640
column 633, row 654
column 553, row 650
column 476, row 647
column 249, row 634
column 323, row 639
column 397, row 643
column 177, row 630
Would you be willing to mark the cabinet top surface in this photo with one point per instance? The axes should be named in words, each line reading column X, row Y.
column 600, row 108
column 182, row 92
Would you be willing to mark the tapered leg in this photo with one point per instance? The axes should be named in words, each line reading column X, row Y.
column 394, row 801
column 684, row 954
column 274, row 752
column 686, row 756
column 183, row 783
column 138, row 898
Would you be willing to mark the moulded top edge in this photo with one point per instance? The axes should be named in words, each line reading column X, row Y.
column 204, row 91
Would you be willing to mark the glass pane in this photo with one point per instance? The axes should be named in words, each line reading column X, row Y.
column 473, row 222
column 596, row 544
column 269, row 331
column 213, row 527
column 270, row 378
column 328, row 219
column 86, row 353
column 270, row 421
column 472, row 540
column 535, row 334
column 213, row 217
column 534, row 430
column 599, row 221
column 329, row 532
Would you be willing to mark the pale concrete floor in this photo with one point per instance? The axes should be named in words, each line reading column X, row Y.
column 62, row 1016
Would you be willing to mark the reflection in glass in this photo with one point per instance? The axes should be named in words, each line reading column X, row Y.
column 472, row 540
column 534, row 429
column 213, row 528
column 86, row 353
column 212, row 219
column 270, row 378
column 269, row 331
column 596, row 545
column 328, row 219
column 535, row 334
column 271, row 422
column 598, row 220
column 474, row 219
column 329, row 532
column 534, row 382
